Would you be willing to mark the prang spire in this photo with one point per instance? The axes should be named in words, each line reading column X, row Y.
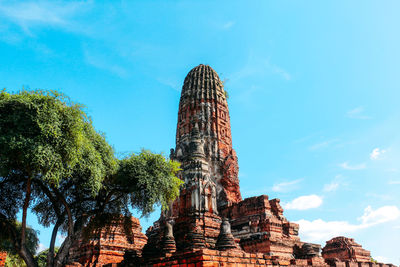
column 204, row 142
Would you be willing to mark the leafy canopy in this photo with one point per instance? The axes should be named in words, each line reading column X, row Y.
column 42, row 133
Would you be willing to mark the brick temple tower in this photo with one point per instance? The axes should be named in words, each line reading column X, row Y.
column 204, row 141
column 211, row 193
column 209, row 163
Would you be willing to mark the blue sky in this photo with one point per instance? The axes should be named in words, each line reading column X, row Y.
column 313, row 86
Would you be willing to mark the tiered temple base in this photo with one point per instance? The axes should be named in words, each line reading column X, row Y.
column 109, row 246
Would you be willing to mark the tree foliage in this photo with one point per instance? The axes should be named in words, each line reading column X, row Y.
column 6, row 239
column 6, row 244
column 54, row 161
column 41, row 257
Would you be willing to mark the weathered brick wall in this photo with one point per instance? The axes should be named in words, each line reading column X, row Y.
column 207, row 257
column 108, row 247
column 345, row 249
column 3, row 257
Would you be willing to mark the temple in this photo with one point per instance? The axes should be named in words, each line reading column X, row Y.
column 210, row 224
column 210, row 200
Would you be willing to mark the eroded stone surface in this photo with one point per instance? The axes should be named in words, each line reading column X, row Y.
column 260, row 226
column 345, row 249
column 108, row 246
column 3, row 257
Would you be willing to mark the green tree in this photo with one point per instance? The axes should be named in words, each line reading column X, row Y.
column 7, row 239
column 41, row 257
column 52, row 159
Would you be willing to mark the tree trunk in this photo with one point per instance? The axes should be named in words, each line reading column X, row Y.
column 50, row 255
column 25, row 254
column 63, row 253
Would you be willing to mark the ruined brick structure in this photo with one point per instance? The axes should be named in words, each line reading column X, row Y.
column 209, row 224
column 3, row 257
column 345, row 249
column 211, row 191
column 107, row 246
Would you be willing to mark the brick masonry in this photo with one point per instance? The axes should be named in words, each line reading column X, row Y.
column 3, row 257
column 209, row 224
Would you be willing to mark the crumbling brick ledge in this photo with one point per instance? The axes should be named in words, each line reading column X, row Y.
column 234, row 258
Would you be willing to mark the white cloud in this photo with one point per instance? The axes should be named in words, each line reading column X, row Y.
column 381, row 259
column 357, row 113
column 337, row 182
column 43, row 13
column 376, row 153
column 333, row 186
column 347, row 166
column 40, row 248
column 286, row 186
column 304, row 203
column 320, row 230
column 394, row 182
column 381, row 215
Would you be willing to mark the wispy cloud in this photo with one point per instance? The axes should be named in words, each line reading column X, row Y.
column 394, row 182
column 42, row 13
column 170, row 83
column 279, row 71
column 286, row 186
column 357, row 113
column 335, row 184
column 228, row 25
column 259, row 67
column 376, row 153
column 320, row 230
column 332, row 186
column 99, row 62
column 304, row 203
column 323, row 144
column 347, row 166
